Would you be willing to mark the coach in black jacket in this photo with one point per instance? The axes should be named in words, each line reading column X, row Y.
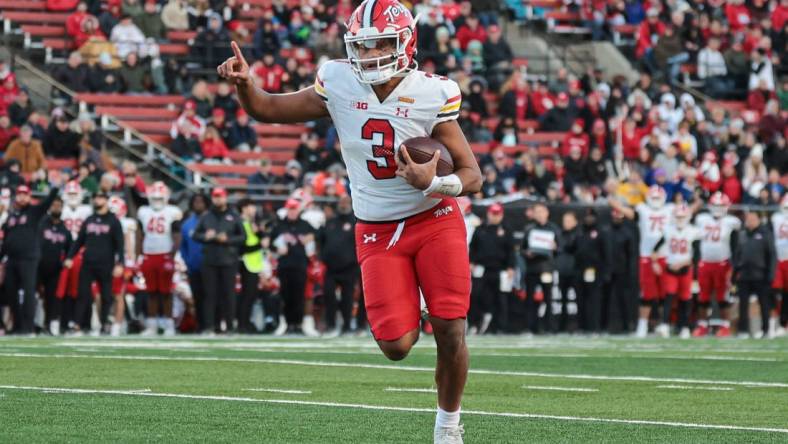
column 338, row 251
column 21, row 246
column 55, row 245
column 491, row 253
column 541, row 242
column 592, row 259
column 222, row 234
column 753, row 268
column 623, row 246
column 102, row 236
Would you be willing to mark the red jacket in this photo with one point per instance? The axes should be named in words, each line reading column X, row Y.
column 779, row 16
column 465, row 35
column 270, row 77
column 738, row 16
column 570, row 140
column 213, row 148
column 731, row 187
column 645, row 33
column 74, row 23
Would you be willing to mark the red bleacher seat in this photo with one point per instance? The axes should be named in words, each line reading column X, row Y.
column 173, row 48
column 138, row 112
column 58, row 43
column 44, row 31
column 544, row 4
column 181, row 36
column 733, row 107
column 273, row 129
column 220, row 168
column 230, row 181
column 276, row 157
column 547, row 151
column 540, row 138
column 130, row 100
column 35, row 17
column 627, row 30
column 61, row 164
column 23, row 5
column 161, row 139
column 278, row 142
column 147, row 126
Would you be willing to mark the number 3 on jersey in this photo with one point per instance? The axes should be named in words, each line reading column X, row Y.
column 383, row 151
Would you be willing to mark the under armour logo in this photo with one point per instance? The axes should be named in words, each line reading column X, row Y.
column 370, row 238
column 402, row 112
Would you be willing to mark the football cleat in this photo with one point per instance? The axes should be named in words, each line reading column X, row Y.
column 723, row 332
column 701, row 331
column 308, row 327
column 662, row 330
column 642, row 329
column 685, row 333
column 449, row 435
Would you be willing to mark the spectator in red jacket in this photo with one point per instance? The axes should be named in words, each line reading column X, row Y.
column 731, row 186
column 471, row 30
column 738, row 15
column 648, row 33
column 8, row 92
column 267, row 74
column 780, row 15
column 631, row 138
column 75, row 25
column 576, row 138
column 7, row 132
column 213, row 147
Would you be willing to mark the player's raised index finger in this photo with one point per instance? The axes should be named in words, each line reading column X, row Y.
column 237, row 51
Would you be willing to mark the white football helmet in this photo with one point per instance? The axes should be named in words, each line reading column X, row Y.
column 158, row 195
column 73, row 194
column 117, row 206
column 718, row 204
column 656, row 197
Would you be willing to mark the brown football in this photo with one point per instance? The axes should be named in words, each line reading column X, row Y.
column 421, row 150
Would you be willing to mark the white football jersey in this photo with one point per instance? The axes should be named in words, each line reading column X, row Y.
column 157, row 228
column 651, row 225
column 370, row 133
column 780, row 226
column 715, row 240
column 678, row 243
column 73, row 217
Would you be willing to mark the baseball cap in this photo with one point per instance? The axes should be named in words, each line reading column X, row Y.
column 563, row 97
column 292, row 204
column 219, row 192
column 495, row 208
column 190, row 105
column 218, row 112
column 23, row 189
column 240, row 113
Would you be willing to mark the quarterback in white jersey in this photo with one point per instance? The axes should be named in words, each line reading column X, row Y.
column 409, row 223
column 716, row 228
column 161, row 235
column 780, row 227
column 74, row 211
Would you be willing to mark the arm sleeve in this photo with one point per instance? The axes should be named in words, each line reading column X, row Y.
column 238, row 236
column 42, row 208
column 450, row 105
column 118, row 252
column 320, row 83
column 199, row 230
column 473, row 246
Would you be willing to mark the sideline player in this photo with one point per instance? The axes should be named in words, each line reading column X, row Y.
column 653, row 217
column 679, row 238
column 161, row 229
column 780, row 284
column 411, row 232
column 75, row 212
column 718, row 236
column 117, row 206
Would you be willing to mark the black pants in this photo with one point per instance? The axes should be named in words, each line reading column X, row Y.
column 292, row 285
column 198, row 294
column 532, row 280
column 346, row 279
column 620, row 301
column 784, row 309
column 565, row 284
column 101, row 274
column 48, row 276
column 219, row 288
column 760, row 289
column 20, row 286
column 249, row 294
column 589, row 304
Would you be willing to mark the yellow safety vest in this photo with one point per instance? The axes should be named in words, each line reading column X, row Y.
column 252, row 261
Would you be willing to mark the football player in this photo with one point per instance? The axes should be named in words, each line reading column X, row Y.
column 717, row 231
column 161, row 239
column 409, row 224
column 679, row 237
column 652, row 217
column 74, row 214
column 118, row 207
column 780, row 284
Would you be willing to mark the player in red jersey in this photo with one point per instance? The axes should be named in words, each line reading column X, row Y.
column 410, row 234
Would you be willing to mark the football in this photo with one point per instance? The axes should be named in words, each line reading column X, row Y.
column 421, row 150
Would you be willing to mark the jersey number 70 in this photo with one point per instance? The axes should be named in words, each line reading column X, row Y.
column 383, row 151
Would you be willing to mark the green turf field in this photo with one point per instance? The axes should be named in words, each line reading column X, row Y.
column 245, row 389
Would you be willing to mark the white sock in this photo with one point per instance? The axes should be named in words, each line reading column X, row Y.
column 642, row 324
column 447, row 419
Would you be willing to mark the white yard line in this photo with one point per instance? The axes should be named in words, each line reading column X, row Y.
column 689, row 387
column 410, row 390
column 560, row 389
column 407, row 409
column 401, row 368
column 286, row 391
